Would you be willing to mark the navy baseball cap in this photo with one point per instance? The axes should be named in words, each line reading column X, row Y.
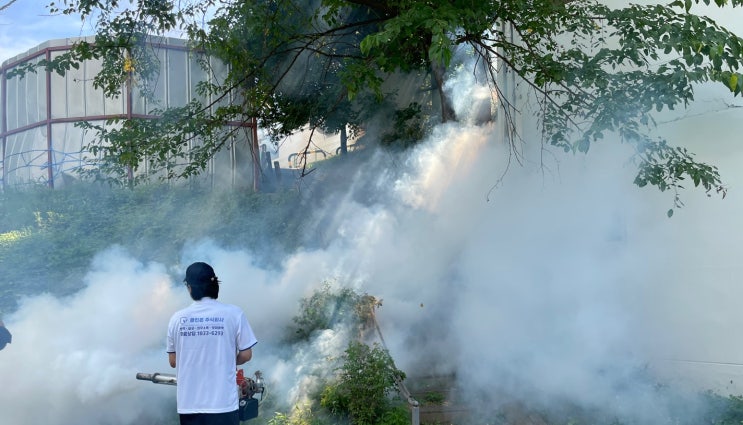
column 200, row 273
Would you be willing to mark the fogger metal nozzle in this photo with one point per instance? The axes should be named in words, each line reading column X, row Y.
column 158, row 378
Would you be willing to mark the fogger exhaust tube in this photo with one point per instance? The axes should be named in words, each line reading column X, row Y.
column 158, row 378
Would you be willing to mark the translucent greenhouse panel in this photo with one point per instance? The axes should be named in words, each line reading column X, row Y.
column 41, row 100
column 150, row 94
column 35, row 97
column 233, row 165
column 94, row 98
column 67, row 145
column 237, row 97
column 26, row 157
column 11, row 117
column 139, row 105
column 75, row 83
column 159, row 85
column 196, row 75
column 77, row 158
column 68, row 92
column 219, row 74
column 222, row 167
column 3, row 108
column 58, row 84
column 115, row 106
column 177, row 89
column 20, row 103
column 26, row 99
column 243, row 163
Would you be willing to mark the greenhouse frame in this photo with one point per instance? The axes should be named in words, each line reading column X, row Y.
column 41, row 143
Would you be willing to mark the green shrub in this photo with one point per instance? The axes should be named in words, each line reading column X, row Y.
column 723, row 410
column 395, row 415
column 435, row 398
column 324, row 309
column 335, row 400
column 365, row 381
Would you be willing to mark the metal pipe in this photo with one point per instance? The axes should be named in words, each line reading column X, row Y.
column 415, row 411
column 158, row 378
column 3, row 124
column 48, row 112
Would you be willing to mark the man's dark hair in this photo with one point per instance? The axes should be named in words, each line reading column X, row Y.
column 200, row 290
column 202, row 280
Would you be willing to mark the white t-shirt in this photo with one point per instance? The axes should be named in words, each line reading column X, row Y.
column 206, row 337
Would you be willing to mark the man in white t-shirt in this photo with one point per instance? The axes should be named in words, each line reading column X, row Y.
column 207, row 341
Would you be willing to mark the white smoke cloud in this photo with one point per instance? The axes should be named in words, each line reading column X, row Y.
column 73, row 360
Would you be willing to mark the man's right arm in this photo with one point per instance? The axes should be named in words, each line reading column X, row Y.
column 243, row 356
column 244, row 338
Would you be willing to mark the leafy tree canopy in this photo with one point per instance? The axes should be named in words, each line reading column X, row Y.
column 594, row 70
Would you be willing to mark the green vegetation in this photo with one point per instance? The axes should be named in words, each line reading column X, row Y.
column 367, row 377
column 724, row 410
column 300, row 415
column 328, row 308
column 361, row 389
column 434, row 397
column 324, row 309
column 48, row 237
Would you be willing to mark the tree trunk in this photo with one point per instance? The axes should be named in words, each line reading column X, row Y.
column 447, row 111
column 344, row 141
